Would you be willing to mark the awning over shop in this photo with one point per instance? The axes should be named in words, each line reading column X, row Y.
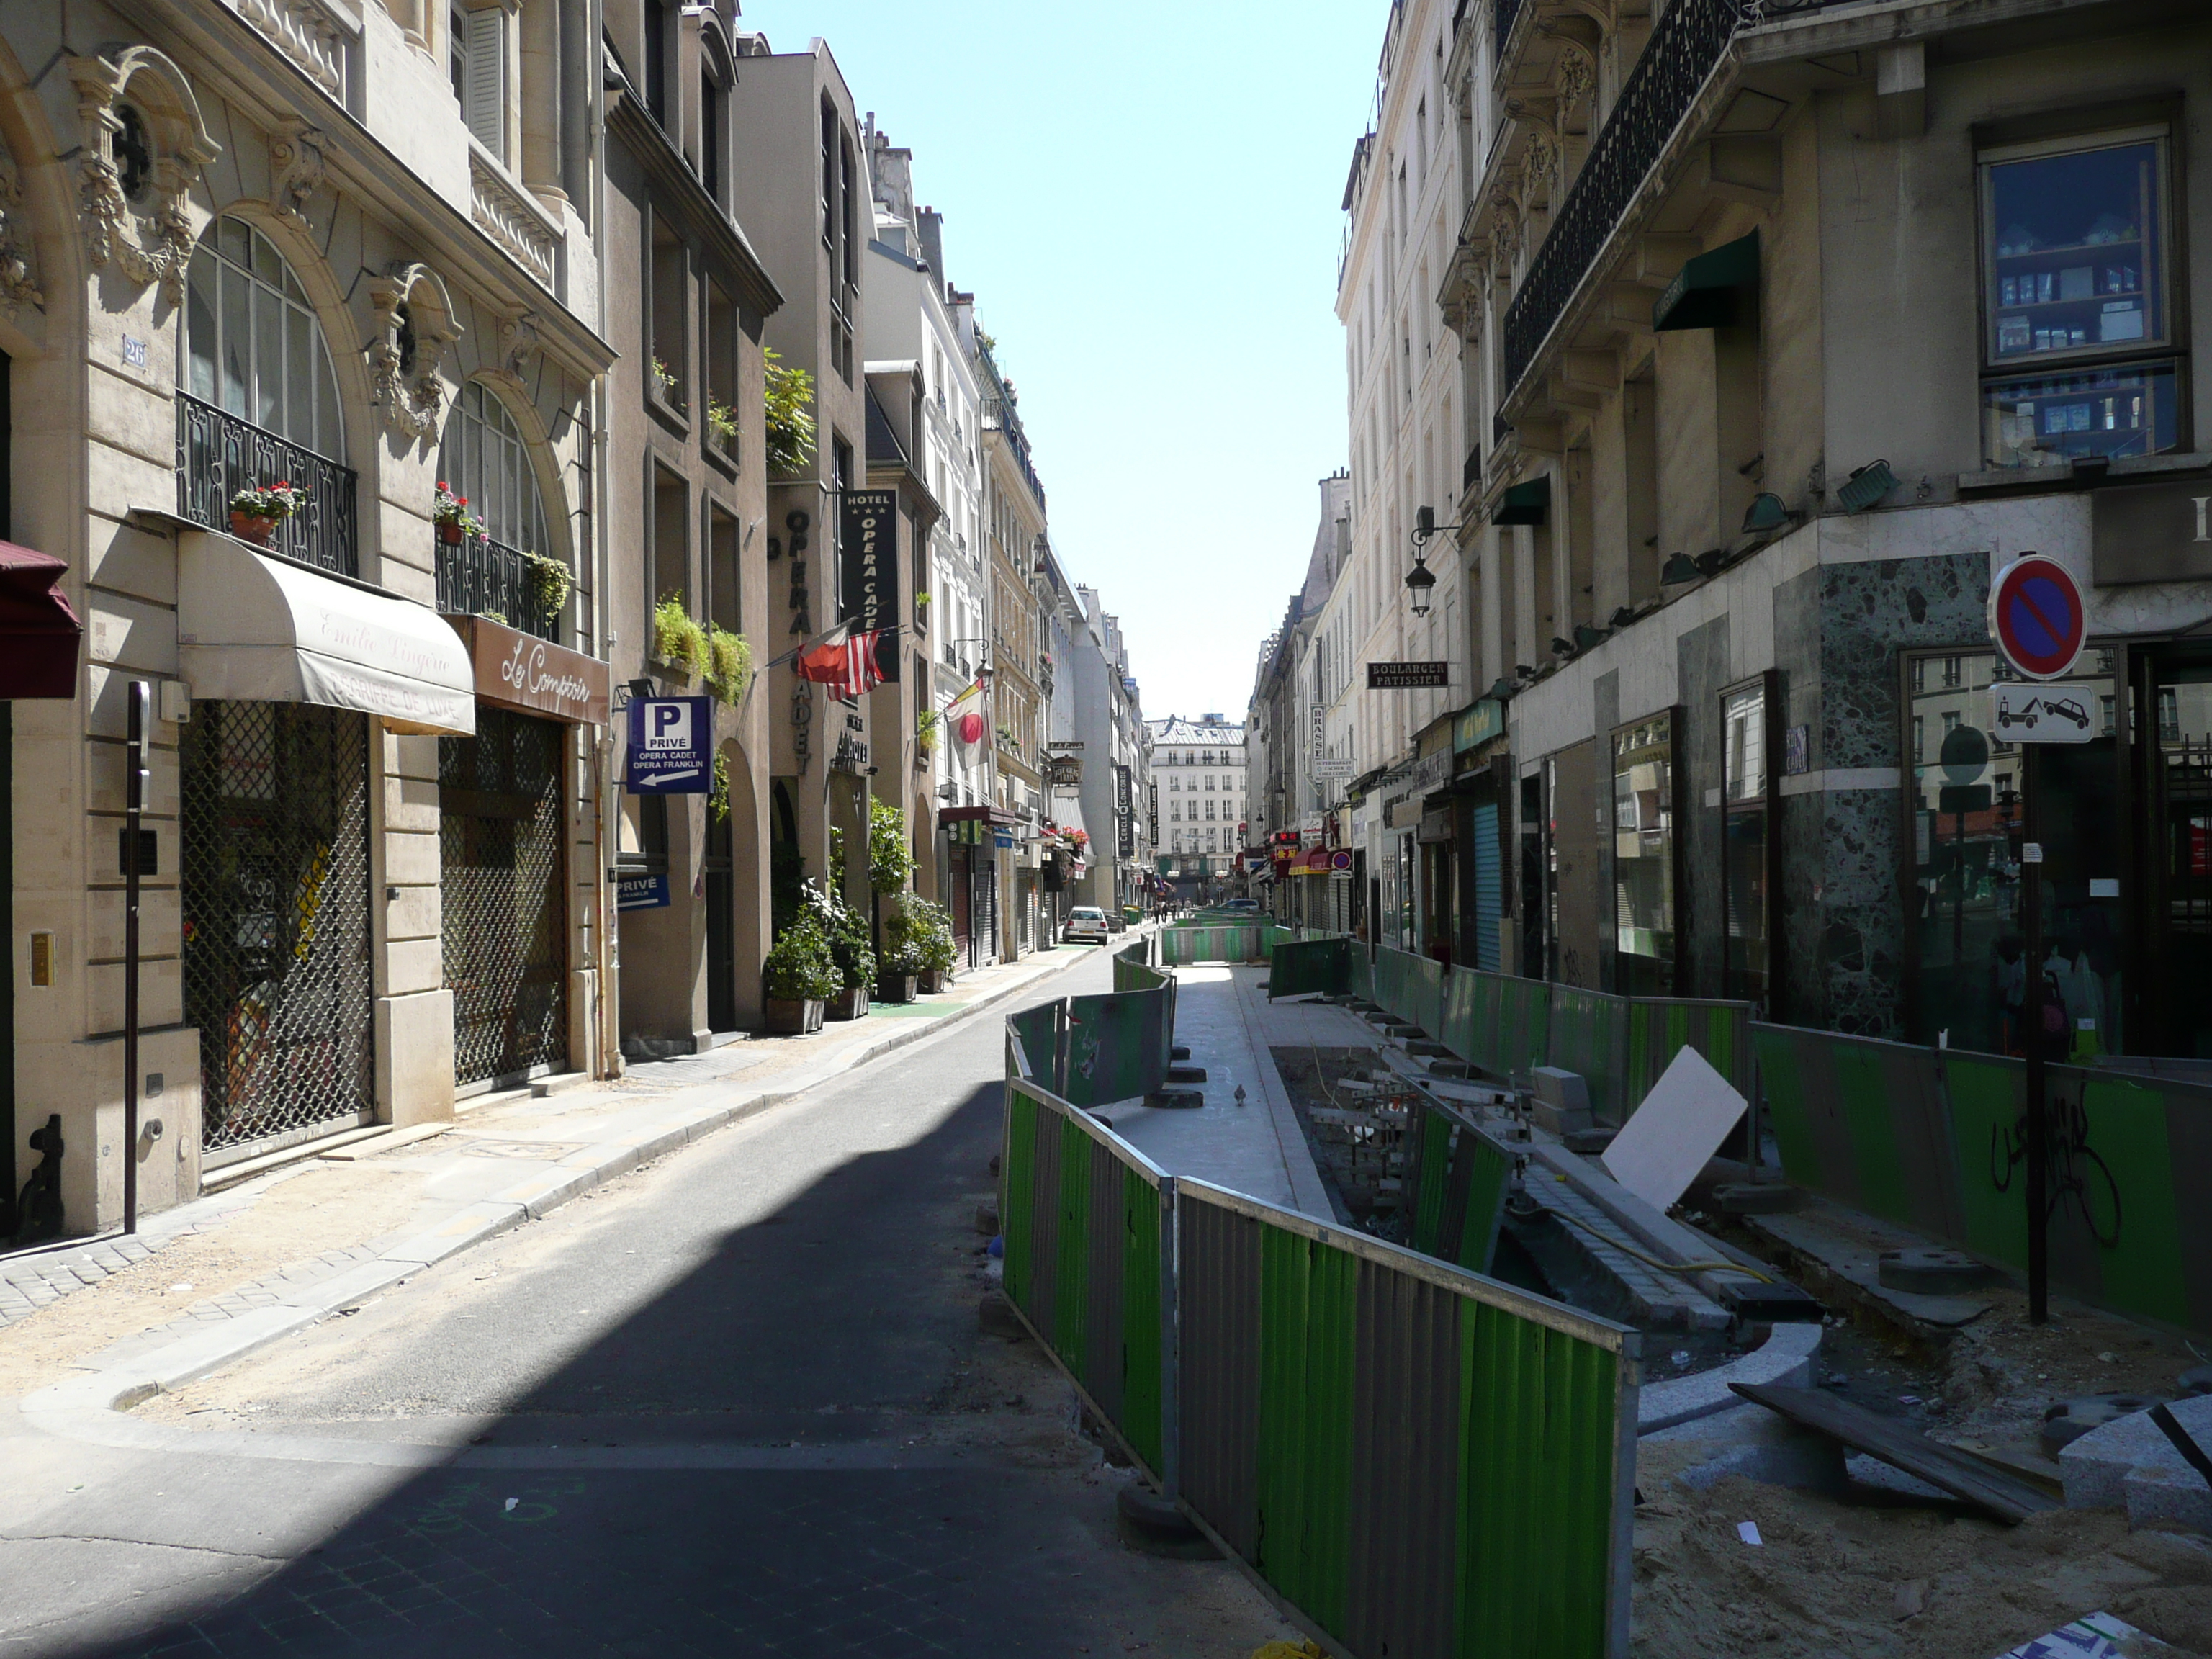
column 254, row 628
column 1706, row 292
column 39, row 632
column 997, row 815
column 1525, row 503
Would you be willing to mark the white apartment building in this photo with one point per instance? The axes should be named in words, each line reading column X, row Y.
column 1198, row 768
column 1413, row 442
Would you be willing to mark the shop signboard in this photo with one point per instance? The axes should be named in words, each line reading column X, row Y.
column 1408, row 676
column 518, row 670
column 1332, row 771
column 2159, row 533
column 672, row 742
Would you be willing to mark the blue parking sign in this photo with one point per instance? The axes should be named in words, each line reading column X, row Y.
column 672, row 743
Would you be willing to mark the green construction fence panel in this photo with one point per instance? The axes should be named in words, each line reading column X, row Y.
column 1306, row 967
column 1589, row 1037
column 1659, row 1028
column 1435, row 1462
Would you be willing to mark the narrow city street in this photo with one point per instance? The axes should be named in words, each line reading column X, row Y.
column 734, row 1402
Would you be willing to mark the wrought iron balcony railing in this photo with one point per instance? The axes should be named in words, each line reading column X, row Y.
column 1676, row 61
column 218, row 454
column 480, row 577
column 1508, row 13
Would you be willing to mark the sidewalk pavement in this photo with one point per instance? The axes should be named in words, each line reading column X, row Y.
column 1256, row 1148
column 513, row 1158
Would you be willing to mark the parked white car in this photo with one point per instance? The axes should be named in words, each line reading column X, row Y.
column 1086, row 921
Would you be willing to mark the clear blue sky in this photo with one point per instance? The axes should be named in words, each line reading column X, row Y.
column 1144, row 200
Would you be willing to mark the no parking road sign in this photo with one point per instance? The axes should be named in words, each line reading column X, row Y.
column 2037, row 616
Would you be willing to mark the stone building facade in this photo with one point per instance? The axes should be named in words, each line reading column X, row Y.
column 355, row 261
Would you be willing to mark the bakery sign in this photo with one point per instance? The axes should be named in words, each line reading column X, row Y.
column 518, row 671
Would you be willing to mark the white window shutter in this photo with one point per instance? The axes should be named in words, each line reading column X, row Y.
column 487, row 79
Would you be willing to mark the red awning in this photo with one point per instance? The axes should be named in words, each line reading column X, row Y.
column 39, row 632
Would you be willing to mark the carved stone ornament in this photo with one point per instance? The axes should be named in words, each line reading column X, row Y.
column 295, row 167
column 414, row 325
column 19, row 270
column 518, row 342
column 1541, row 167
column 144, row 146
column 1576, row 76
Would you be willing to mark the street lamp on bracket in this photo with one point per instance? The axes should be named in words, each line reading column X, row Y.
column 1420, row 579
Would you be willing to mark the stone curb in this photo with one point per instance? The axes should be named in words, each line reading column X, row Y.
column 1786, row 1357
column 198, row 1353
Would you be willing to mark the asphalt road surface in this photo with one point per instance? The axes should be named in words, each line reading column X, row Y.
column 735, row 1403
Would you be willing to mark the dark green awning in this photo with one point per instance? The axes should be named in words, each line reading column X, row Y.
column 1706, row 293
column 1525, row 503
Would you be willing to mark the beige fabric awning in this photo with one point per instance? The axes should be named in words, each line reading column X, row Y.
column 254, row 629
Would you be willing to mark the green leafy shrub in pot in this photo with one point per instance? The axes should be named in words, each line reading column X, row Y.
column 801, row 967
column 678, row 639
column 891, row 860
column 848, row 944
column 931, row 929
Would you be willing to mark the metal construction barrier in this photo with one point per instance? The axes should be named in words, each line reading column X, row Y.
column 1219, row 941
column 1301, row 966
column 1456, row 1181
column 1087, row 1221
column 1092, row 1050
column 1503, row 1024
column 1421, row 1461
column 1936, row 1140
column 1659, row 1028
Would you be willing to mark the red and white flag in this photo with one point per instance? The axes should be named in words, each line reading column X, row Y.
column 965, row 723
column 842, row 660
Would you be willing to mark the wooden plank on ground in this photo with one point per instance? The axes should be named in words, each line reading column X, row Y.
column 1966, row 1479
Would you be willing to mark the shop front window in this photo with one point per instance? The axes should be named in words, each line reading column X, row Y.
column 1644, row 857
column 1967, row 831
column 1748, row 842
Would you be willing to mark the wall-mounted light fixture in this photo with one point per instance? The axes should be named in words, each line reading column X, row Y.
column 1420, row 579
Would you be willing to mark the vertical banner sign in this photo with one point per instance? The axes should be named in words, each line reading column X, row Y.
column 867, row 551
column 672, row 743
column 1320, row 732
column 1124, row 813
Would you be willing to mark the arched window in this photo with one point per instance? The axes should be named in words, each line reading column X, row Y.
column 252, row 347
column 483, row 457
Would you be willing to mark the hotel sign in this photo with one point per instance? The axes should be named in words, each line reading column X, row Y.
column 867, row 551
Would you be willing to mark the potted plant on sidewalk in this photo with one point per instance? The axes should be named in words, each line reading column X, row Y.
column 801, row 977
column 856, row 964
column 934, row 946
column 256, row 513
column 902, row 959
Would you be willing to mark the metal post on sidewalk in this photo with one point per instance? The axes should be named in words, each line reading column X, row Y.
column 2031, row 1016
column 138, row 697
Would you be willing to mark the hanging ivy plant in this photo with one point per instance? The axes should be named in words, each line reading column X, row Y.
column 678, row 640
column 729, row 667
column 718, row 799
column 550, row 584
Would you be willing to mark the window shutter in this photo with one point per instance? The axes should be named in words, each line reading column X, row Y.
column 487, row 79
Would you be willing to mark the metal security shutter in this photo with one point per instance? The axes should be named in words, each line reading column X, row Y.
column 1487, row 888
column 275, row 888
column 502, row 854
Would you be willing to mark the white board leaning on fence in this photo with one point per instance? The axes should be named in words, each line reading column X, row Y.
column 1680, row 1125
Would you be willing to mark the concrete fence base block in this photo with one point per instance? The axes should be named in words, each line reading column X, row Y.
column 1156, row 1526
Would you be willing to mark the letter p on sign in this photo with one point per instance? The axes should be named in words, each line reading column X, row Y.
column 668, row 726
